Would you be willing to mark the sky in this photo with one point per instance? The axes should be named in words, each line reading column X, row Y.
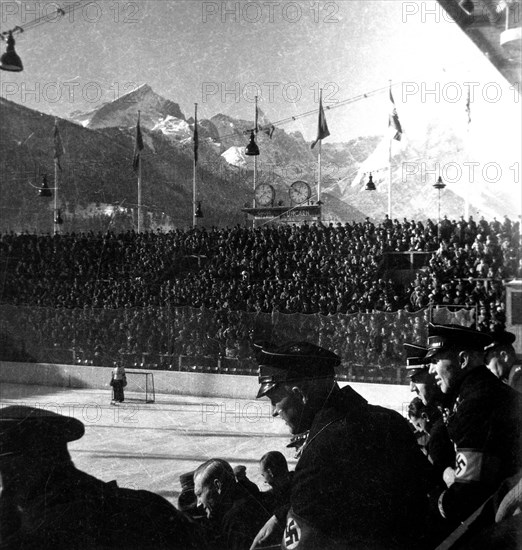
column 221, row 54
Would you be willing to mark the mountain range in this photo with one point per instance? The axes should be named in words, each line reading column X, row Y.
column 97, row 187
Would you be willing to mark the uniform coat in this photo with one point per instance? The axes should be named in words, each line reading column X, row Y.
column 361, row 480
column 485, row 429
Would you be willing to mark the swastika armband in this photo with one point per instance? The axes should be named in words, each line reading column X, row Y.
column 292, row 534
column 468, row 465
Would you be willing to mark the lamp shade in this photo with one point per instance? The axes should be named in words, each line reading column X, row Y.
column 10, row 60
column 370, row 186
column 440, row 184
column 252, row 150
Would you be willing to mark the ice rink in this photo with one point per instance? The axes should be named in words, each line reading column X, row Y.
column 148, row 445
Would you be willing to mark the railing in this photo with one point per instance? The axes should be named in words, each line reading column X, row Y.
column 201, row 340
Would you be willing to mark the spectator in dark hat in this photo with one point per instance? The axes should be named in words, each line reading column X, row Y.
column 46, row 503
column 187, row 501
column 421, row 381
column 273, row 467
column 361, row 479
column 427, row 418
column 242, row 479
column 485, row 422
column 500, row 358
column 235, row 514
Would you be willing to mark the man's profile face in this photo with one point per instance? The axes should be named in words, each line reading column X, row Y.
column 207, row 495
column 499, row 363
column 424, row 385
column 266, row 474
column 289, row 406
column 446, row 368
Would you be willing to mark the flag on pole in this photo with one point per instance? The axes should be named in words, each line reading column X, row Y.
column 322, row 127
column 468, row 106
column 393, row 119
column 58, row 145
column 138, row 146
column 196, row 137
column 263, row 124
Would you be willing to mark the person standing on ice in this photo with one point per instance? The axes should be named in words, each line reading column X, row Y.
column 118, row 382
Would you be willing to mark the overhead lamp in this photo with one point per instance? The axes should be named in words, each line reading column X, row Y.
column 370, row 186
column 440, row 184
column 252, row 150
column 198, row 213
column 10, row 60
column 44, row 190
column 58, row 220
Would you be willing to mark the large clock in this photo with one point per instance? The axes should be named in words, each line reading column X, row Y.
column 299, row 192
column 264, row 194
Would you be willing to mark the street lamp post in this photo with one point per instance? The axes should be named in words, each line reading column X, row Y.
column 439, row 185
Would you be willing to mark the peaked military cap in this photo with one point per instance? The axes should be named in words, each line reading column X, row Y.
column 415, row 356
column 22, row 426
column 443, row 337
column 500, row 338
column 416, row 361
column 293, row 361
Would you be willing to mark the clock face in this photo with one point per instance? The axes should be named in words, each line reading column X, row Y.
column 264, row 194
column 299, row 192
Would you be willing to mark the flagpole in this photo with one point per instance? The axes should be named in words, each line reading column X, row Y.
column 466, row 194
column 255, row 162
column 139, row 184
column 194, row 219
column 319, row 173
column 390, row 180
column 55, row 212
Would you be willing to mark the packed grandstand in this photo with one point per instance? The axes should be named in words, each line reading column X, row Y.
column 199, row 297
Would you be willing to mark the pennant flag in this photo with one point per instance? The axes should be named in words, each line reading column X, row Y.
column 58, row 146
column 138, row 147
column 468, row 106
column 393, row 119
column 322, row 127
column 196, row 137
column 263, row 124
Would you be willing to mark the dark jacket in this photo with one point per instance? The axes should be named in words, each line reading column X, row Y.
column 75, row 511
column 441, row 451
column 361, row 480
column 485, row 429
column 240, row 524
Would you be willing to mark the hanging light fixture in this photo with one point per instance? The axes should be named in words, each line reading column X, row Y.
column 10, row 60
column 252, row 150
column 44, row 190
column 370, row 186
column 198, row 213
column 440, row 184
column 58, row 220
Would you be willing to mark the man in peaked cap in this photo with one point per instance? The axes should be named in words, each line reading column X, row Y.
column 421, row 381
column 501, row 358
column 46, row 503
column 438, row 446
column 361, row 479
column 485, row 421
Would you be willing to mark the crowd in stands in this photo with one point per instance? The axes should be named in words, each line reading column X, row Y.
column 111, row 292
